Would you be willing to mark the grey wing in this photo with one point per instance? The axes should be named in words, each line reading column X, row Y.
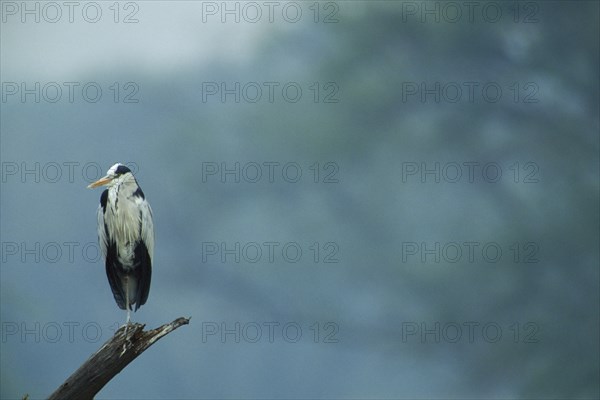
column 102, row 234
column 147, row 227
column 109, row 252
column 144, row 249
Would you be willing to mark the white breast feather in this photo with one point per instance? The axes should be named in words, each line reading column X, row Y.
column 123, row 222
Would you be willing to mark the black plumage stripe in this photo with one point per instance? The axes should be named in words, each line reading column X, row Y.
column 122, row 169
column 138, row 193
column 143, row 273
column 113, row 272
column 103, row 200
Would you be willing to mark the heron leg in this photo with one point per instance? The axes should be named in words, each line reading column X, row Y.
column 127, row 305
column 128, row 314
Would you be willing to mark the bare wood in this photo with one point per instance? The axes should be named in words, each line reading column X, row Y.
column 111, row 358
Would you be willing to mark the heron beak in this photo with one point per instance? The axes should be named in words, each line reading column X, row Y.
column 100, row 182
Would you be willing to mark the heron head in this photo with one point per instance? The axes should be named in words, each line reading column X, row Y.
column 112, row 175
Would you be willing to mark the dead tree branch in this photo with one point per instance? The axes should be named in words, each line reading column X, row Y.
column 111, row 358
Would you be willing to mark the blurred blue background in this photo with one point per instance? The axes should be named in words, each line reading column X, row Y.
column 380, row 303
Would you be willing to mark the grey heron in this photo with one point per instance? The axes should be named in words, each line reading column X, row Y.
column 126, row 237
